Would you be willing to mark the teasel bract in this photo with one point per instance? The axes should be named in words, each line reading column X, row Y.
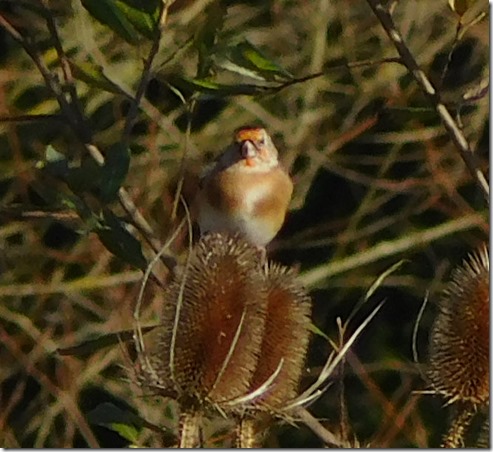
column 458, row 364
column 233, row 336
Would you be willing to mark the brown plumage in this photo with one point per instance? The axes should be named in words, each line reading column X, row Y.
column 246, row 190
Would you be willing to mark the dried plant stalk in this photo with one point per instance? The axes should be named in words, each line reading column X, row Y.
column 454, row 438
column 247, row 435
column 190, row 430
column 483, row 441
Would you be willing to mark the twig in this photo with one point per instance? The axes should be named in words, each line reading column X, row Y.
column 146, row 73
column 64, row 63
column 390, row 248
column 316, row 427
column 28, row 118
column 84, row 134
column 350, row 65
column 448, row 121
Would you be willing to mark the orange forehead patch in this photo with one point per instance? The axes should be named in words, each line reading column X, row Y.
column 251, row 133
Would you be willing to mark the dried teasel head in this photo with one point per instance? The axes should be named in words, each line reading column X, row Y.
column 285, row 340
column 459, row 346
column 212, row 324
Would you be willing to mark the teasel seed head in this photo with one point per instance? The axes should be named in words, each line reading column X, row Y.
column 212, row 323
column 285, row 340
column 459, row 346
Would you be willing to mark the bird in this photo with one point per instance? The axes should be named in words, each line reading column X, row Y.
column 246, row 190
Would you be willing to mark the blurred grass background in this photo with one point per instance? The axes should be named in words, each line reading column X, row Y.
column 377, row 180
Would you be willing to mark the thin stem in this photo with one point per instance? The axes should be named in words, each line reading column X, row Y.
column 316, row 427
column 433, row 96
column 247, row 436
column 189, row 430
column 147, row 71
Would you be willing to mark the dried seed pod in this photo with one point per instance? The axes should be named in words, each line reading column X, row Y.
column 285, row 340
column 280, row 364
column 459, row 346
column 213, row 322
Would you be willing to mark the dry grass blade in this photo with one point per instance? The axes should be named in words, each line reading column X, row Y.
column 331, row 364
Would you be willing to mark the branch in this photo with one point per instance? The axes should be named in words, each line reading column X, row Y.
column 80, row 128
column 146, row 73
column 316, row 427
column 433, row 96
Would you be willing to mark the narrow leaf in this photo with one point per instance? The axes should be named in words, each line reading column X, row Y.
column 246, row 59
column 114, row 171
column 119, row 241
column 93, row 75
column 107, row 12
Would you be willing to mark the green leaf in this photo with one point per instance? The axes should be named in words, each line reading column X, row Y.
column 84, row 178
column 145, row 6
column 246, row 59
column 108, row 13
column 142, row 20
column 114, row 171
column 119, row 241
column 54, row 163
column 221, row 90
column 124, row 422
column 93, row 75
column 129, row 432
column 52, row 155
column 316, row 330
column 206, row 36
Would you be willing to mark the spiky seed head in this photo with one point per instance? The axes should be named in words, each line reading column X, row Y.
column 459, row 346
column 213, row 322
column 285, row 340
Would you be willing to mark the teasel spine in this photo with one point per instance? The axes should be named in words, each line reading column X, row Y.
column 459, row 347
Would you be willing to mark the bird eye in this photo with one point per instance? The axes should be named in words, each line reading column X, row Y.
column 261, row 142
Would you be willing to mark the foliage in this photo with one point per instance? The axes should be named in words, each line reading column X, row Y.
column 103, row 101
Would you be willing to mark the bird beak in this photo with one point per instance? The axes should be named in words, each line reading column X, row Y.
column 248, row 152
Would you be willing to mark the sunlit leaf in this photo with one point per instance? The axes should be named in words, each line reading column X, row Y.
column 316, row 330
column 221, row 90
column 93, row 75
column 108, row 13
column 143, row 21
column 246, row 59
column 124, row 422
column 52, row 155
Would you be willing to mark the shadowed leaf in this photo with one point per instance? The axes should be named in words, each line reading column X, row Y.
column 114, row 171
column 119, row 241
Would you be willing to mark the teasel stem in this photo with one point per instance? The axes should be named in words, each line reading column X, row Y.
column 190, row 430
column 247, row 436
column 483, row 441
column 454, row 439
